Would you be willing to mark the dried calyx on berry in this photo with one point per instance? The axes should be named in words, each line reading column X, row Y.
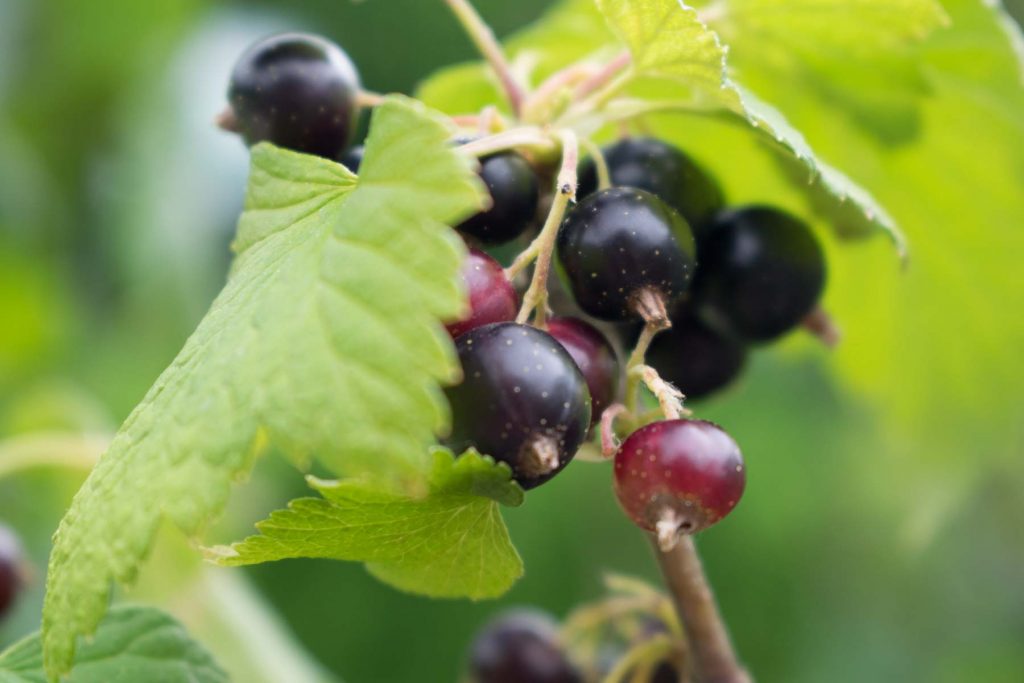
column 522, row 400
column 295, row 90
column 678, row 476
column 663, row 170
column 626, row 255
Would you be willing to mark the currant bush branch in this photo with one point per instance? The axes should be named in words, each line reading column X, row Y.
column 536, row 295
column 483, row 37
column 713, row 655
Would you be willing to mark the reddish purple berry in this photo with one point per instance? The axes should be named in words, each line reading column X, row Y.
column 595, row 358
column 678, row 476
column 492, row 299
column 12, row 560
column 521, row 646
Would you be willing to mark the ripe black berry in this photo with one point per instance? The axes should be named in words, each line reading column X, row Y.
column 595, row 358
column 514, row 194
column 296, row 90
column 618, row 245
column 662, row 170
column 762, row 271
column 12, row 559
column 353, row 157
column 694, row 357
column 492, row 299
column 521, row 646
column 678, row 476
column 522, row 400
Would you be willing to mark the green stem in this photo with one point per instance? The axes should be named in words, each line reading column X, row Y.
column 483, row 37
column 515, row 137
column 536, row 296
column 604, row 180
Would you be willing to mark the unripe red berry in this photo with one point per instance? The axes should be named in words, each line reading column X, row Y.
column 678, row 476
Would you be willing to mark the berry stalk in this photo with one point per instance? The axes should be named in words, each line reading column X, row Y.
column 483, row 37
column 713, row 655
column 544, row 245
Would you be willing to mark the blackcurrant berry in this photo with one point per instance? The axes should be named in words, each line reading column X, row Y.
column 514, row 195
column 296, row 90
column 762, row 272
column 662, row 170
column 353, row 157
column 522, row 400
column 678, row 476
column 492, row 299
column 622, row 245
column 694, row 357
column 595, row 358
column 521, row 646
column 12, row 560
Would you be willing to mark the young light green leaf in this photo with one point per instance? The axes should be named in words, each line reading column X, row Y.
column 452, row 542
column 132, row 644
column 668, row 40
column 325, row 341
column 670, row 43
column 828, row 28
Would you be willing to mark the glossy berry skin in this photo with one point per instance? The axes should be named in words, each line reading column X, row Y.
column 522, row 400
column 12, row 558
column 595, row 358
column 695, row 358
column 521, row 646
column 617, row 243
column 686, row 473
column 762, row 272
column 298, row 91
column 353, row 158
column 663, row 170
column 514, row 192
column 492, row 299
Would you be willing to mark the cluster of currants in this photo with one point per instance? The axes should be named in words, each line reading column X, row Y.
column 649, row 246
column 528, row 645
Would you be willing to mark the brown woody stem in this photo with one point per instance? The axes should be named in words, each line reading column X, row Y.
column 714, row 660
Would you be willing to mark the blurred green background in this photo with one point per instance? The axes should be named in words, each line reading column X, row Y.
column 882, row 534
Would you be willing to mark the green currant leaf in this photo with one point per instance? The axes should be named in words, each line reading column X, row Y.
column 325, row 341
column 451, row 542
column 132, row 644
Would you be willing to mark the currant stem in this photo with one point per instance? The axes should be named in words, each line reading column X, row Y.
column 602, row 77
column 647, row 652
column 366, row 98
column 609, row 442
column 536, row 296
column 515, row 137
column 714, row 659
column 604, row 179
column 482, row 36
